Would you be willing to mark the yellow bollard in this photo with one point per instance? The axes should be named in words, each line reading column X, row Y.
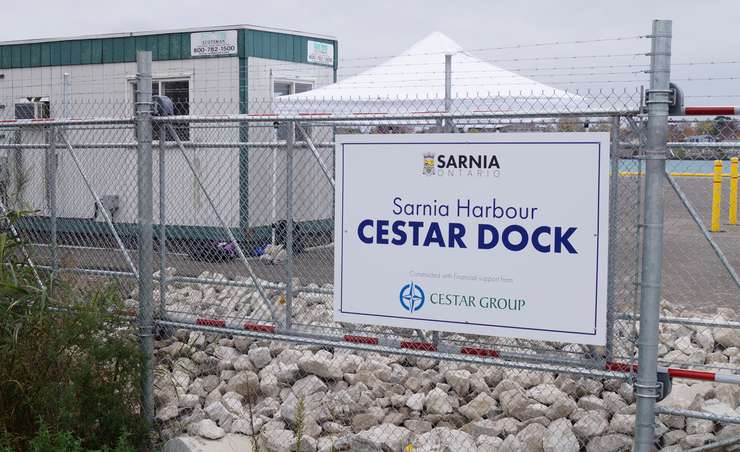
column 733, row 190
column 716, row 196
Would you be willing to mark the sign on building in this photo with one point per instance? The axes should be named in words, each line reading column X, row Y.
column 492, row 234
column 213, row 43
column 321, row 53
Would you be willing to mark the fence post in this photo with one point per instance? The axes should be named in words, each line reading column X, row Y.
column 732, row 217
column 144, row 191
column 657, row 132
column 448, row 92
column 162, row 223
column 51, row 159
column 613, row 200
column 289, row 225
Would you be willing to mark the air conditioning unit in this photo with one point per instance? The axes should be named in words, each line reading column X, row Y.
column 32, row 108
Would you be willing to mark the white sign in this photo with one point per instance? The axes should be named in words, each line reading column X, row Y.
column 321, row 53
column 495, row 234
column 213, row 43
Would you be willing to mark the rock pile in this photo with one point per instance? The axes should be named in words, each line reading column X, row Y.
column 286, row 397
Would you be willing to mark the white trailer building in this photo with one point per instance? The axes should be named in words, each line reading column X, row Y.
column 205, row 71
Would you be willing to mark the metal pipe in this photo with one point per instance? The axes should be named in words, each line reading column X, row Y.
column 732, row 214
column 657, row 132
column 51, row 156
column 328, row 117
column 145, row 216
column 162, row 227
column 297, row 338
column 213, row 145
column 715, row 445
column 613, row 202
column 448, row 92
column 690, row 321
column 289, row 227
column 697, row 414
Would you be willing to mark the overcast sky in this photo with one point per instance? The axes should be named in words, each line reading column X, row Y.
column 703, row 30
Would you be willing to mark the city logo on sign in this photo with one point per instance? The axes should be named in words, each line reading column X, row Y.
column 480, row 165
column 412, row 297
column 428, row 164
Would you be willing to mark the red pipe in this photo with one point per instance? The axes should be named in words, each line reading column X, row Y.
column 709, row 111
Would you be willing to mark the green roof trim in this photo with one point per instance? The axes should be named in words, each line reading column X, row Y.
column 166, row 46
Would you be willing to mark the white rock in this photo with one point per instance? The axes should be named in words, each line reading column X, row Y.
column 727, row 337
column 167, row 412
column 562, row 408
column 224, row 353
column 207, row 429
column 260, row 356
column 278, row 440
column 308, row 385
column 559, row 437
column 437, row 402
column 610, row 443
column 681, row 396
column 459, row 380
column 415, row 402
column 418, row 426
column 698, row 426
column 623, row 423
column 673, row 437
column 189, row 401
column 696, row 440
column 499, row 427
column 384, row 437
column 480, row 406
column 511, row 443
column 245, row 383
column 531, row 437
column 489, row 443
column 243, row 363
column 228, row 443
column 716, row 407
column 443, row 439
column 321, row 366
column 546, row 393
column 217, row 412
column 705, row 339
column 591, row 403
column 593, row 423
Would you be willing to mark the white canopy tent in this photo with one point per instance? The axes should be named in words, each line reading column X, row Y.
column 414, row 81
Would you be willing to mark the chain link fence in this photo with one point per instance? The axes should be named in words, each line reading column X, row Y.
column 246, row 347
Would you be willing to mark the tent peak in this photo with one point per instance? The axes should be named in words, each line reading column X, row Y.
column 435, row 42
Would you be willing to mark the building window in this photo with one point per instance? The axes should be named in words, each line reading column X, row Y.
column 178, row 90
column 33, row 108
column 285, row 88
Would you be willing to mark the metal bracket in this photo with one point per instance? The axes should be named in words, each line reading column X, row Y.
column 674, row 101
column 659, row 391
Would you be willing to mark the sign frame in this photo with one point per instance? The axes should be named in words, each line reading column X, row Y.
column 591, row 147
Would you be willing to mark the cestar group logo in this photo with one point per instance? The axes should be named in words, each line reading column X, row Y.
column 412, row 297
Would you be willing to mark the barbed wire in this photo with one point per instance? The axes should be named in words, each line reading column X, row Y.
column 509, row 47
